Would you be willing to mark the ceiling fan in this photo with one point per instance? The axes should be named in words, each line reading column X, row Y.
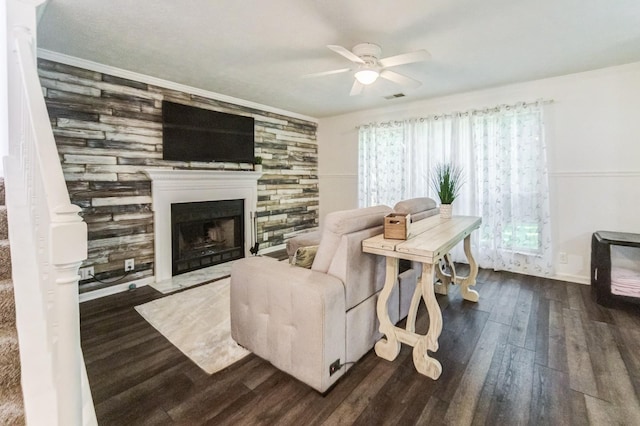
column 370, row 66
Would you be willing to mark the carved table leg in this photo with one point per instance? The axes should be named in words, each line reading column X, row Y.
column 442, row 285
column 452, row 266
column 467, row 293
column 413, row 309
column 388, row 347
column 425, row 364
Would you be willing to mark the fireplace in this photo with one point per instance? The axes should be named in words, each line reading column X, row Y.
column 206, row 233
column 192, row 186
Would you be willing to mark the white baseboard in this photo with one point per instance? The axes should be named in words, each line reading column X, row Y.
column 578, row 279
column 120, row 288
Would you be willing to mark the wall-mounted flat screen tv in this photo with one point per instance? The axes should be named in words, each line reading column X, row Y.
column 196, row 134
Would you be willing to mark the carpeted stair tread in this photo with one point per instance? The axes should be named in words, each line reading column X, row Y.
column 11, row 403
column 7, row 304
column 5, row 260
column 4, row 229
column 9, row 358
column 11, row 406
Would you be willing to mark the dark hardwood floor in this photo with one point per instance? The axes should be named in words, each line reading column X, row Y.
column 531, row 351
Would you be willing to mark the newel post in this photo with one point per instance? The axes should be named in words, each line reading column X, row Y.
column 68, row 237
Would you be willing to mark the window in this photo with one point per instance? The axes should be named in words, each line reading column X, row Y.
column 502, row 152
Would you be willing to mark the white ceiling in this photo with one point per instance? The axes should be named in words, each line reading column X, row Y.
column 257, row 50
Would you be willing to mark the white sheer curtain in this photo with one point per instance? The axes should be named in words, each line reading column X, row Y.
column 395, row 158
column 503, row 155
column 382, row 152
column 512, row 189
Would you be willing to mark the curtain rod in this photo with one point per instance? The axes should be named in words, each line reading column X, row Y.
column 473, row 111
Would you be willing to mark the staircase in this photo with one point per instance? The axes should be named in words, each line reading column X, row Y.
column 43, row 378
column 11, row 405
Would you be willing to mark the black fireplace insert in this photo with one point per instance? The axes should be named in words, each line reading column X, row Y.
column 206, row 233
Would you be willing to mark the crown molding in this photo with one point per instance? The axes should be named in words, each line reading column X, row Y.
column 143, row 78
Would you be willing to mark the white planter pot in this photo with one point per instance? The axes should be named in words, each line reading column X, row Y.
column 257, row 167
column 445, row 211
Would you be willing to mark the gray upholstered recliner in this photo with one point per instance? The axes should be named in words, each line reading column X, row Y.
column 304, row 320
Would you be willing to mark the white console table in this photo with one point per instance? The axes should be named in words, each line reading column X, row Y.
column 430, row 241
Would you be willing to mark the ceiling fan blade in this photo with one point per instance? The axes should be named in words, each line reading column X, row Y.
column 323, row 73
column 357, row 88
column 346, row 53
column 400, row 79
column 405, row 58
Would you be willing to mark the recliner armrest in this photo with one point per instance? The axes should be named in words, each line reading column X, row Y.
column 292, row 317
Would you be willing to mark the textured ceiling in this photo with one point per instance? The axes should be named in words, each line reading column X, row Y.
column 258, row 50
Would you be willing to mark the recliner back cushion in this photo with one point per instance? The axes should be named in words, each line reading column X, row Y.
column 344, row 222
column 419, row 208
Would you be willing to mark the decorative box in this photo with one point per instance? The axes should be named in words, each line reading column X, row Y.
column 396, row 226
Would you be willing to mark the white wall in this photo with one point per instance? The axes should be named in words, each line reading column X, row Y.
column 593, row 142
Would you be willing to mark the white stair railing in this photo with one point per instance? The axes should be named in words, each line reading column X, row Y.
column 48, row 244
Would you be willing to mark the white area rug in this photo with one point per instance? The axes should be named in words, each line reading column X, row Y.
column 197, row 322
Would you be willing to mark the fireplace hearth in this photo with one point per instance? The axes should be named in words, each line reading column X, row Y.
column 206, row 233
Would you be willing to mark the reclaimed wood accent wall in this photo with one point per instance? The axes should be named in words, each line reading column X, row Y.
column 108, row 130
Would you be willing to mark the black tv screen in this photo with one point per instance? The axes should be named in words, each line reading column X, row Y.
column 196, row 134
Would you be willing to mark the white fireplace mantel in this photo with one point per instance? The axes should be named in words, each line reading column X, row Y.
column 184, row 186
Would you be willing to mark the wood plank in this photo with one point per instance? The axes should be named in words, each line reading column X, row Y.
column 433, row 412
column 504, row 307
column 581, row 377
column 542, row 332
column 512, row 400
column 557, row 353
column 600, row 412
column 574, row 296
column 464, row 341
column 318, row 413
column 531, row 333
column 628, row 341
column 521, row 317
column 266, row 405
column 546, row 407
column 353, row 406
column 151, row 394
column 209, row 398
column 462, row 407
column 612, row 377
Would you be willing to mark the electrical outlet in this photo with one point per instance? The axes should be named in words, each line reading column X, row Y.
column 86, row 273
column 562, row 257
column 129, row 265
column 335, row 366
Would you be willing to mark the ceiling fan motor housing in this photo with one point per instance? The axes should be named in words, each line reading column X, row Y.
column 369, row 52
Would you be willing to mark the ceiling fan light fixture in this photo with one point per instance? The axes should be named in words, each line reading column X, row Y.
column 367, row 75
